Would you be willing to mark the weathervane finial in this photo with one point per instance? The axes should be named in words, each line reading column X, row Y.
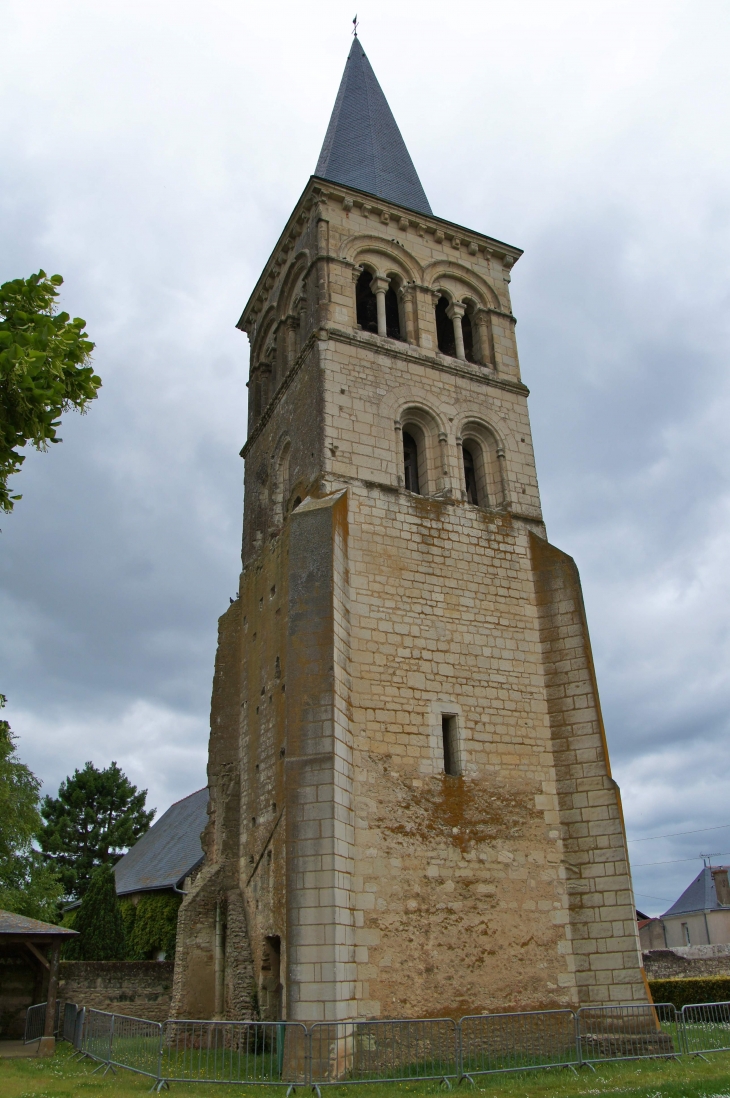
column 355, row 25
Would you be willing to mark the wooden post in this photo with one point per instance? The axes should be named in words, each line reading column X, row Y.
column 47, row 1044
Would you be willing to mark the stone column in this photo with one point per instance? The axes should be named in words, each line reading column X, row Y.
column 455, row 312
column 486, row 354
column 399, row 451
column 379, row 286
column 444, row 451
column 291, row 328
column 502, row 465
column 460, row 461
column 410, row 314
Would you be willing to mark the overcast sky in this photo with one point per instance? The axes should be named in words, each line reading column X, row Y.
column 151, row 154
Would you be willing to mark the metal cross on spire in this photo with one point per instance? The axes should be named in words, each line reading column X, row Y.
column 355, row 25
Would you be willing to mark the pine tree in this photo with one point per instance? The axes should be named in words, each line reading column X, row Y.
column 96, row 817
column 99, row 920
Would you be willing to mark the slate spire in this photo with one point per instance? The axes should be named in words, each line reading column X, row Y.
column 363, row 147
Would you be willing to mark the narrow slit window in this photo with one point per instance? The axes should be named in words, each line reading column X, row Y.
column 470, row 477
column 448, row 735
column 410, row 463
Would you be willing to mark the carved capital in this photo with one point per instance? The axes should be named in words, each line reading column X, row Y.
column 456, row 310
column 379, row 284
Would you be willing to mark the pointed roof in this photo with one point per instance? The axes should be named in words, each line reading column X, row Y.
column 701, row 895
column 363, row 147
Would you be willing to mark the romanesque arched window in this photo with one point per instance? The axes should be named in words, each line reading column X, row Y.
column 410, row 463
column 484, row 484
column 366, row 302
column 468, row 335
column 445, row 328
column 392, row 310
column 470, row 473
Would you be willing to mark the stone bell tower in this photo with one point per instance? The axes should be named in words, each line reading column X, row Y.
column 411, row 806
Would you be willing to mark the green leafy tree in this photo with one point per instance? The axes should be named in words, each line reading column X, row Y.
column 27, row 885
column 99, row 921
column 44, row 370
column 96, row 817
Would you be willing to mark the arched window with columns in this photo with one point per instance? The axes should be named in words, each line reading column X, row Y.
column 483, row 466
column 410, row 463
column 421, row 459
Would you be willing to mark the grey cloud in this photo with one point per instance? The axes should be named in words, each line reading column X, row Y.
column 155, row 156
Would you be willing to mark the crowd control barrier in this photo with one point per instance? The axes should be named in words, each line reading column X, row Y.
column 385, row 1050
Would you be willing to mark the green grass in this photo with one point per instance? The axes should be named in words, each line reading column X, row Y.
column 62, row 1077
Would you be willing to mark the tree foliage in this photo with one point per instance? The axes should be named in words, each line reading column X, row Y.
column 44, row 370
column 99, row 921
column 27, row 885
column 96, row 817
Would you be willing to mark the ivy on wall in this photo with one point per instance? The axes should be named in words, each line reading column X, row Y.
column 150, row 925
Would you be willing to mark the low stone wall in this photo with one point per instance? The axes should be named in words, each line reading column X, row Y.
column 142, row 989
column 683, row 961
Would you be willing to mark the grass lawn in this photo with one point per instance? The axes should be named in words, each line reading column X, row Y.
column 61, row 1076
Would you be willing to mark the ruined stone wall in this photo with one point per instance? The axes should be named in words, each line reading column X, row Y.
column 683, row 961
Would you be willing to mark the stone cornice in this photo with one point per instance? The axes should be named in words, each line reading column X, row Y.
column 322, row 190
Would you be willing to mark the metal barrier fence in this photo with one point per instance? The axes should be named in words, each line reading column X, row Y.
column 518, row 1042
column 286, row 1053
column 135, row 1044
column 35, row 1022
column 706, row 1027
column 235, row 1052
column 387, row 1051
column 627, row 1032
column 97, row 1036
column 68, row 1029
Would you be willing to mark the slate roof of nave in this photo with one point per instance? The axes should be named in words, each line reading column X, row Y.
column 363, row 147
column 169, row 851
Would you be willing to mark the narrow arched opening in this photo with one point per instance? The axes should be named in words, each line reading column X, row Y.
column 445, row 329
column 366, row 303
column 392, row 314
column 470, row 474
column 468, row 334
column 411, row 478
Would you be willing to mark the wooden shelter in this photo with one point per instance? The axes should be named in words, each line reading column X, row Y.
column 29, row 961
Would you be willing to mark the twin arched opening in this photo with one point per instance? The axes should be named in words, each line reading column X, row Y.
column 425, row 460
column 377, row 304
column 455, row 331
